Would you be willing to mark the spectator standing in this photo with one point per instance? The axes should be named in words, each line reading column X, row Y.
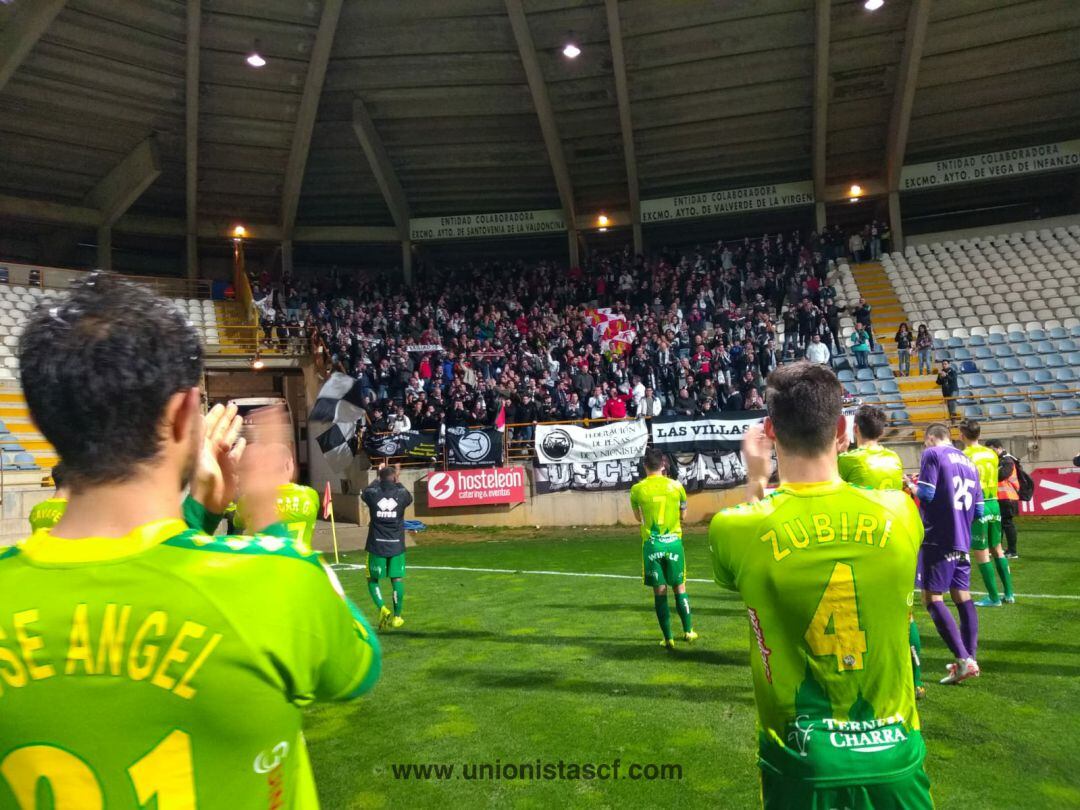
column 1008, row 494
column 860, row 346
column 903, row 349
column 596, row 403
column 400, row 423
column 861, row 313
column 855, row 245
column 818, row 352
column 875, row 240
column 950, row 386
column 923, row 344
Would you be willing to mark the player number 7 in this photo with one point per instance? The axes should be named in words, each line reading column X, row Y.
column 839, row 608
column 661, row 507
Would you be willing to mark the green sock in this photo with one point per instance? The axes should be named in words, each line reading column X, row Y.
column 1003, row 569
column 663, row 615
column 682, row 604
column 399, row 596
column 916, row 651
column 986, row 569
column 376, row 596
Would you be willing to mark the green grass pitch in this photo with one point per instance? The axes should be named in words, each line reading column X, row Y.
column 511, row 668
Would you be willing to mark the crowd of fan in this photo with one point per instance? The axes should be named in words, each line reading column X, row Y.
column 463, row 342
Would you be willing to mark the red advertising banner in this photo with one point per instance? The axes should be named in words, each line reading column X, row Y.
column 493, row 485
column 1057, row 492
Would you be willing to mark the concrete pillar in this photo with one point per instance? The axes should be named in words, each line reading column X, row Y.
column 104, row 248
column 286, row 258
column 572, row 237
column 819, row 216
column 191, row 256
column 406, row 261
column 895, row 226
column 639, row 245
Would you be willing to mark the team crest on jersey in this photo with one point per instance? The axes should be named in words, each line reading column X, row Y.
column 266, row 761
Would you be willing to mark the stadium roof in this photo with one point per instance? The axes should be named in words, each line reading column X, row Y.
column 368, row 111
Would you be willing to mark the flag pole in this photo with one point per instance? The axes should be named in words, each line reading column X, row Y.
column 328, row 512
column 333, row 532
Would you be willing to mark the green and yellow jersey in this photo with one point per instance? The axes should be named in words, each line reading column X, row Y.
column 873, row 466
column 169, row 668
column 47, row 514
column 660, row 500
column 825, row 570
column 986, row 464
column 297, row 508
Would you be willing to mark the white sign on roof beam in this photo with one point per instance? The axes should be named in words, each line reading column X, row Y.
column 478, row 226
column 728, row 201
column 1047, row 157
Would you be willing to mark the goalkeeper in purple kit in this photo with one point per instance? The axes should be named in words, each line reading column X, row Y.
column 950, row 499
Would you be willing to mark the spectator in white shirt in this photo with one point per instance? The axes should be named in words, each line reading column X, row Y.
column 399, row 422
column 649, row 404
column 596, row 403
column 817, row 352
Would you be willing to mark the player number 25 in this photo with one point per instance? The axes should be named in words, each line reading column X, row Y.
column 165, row 772
column 962, row 496
column 838, row 606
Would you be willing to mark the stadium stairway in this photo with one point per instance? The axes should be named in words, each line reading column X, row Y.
column 15, row 416
column 921, row 394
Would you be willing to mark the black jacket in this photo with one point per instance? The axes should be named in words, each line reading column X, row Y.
column 386, row 505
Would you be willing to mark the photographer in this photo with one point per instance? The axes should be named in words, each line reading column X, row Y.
column 950, row 387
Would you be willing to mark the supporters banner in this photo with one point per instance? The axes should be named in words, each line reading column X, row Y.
column 424, row 347
column 1057, row 492
column 595, row 476
column 570, row 444
column 410, row 443
column 1047, row 157
column 481, row 447
column 611, row 329
column 700, row 471
column 469, row 226
column 728, row 201
column 499, row 485
column 683, row 434
column 338, row 444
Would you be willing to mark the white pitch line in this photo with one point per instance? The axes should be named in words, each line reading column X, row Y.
column 354, row 567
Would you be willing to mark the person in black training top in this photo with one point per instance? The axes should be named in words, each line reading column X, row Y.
column 387, row 501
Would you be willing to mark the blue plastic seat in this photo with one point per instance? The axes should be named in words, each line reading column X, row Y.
column 1075, row 331
column 1073, row 359
column 900, row 416
column 877, row 360
column 1044, row 347
column 865, row 388
column 989, row 366
column 883, row 373
column 1053, row 361
column 976, row 340
column 995, row 339
column 1032, row 361
column 1010, row 364
column 1037, row 392
column 968, row 367
column 24, row 460
column 999, row 380
column 983, row 353
column 942, row 354
column 1045, row 408
column 973, row 412
column 954, row 343
column 1066, row 345
column 1058, row 332
column 996, row 411
column 844, row 375
column 10, row 447
column 1070, row 407
column 871, row 398
column 1021, row 409
column 974, row 381
column 1020, row 378
column 1017, row 336
column 850, row 387
column 1065, row 374
column 1060, row 390
column 1023, row 349
column 1036, row 334
column 939, row 343
column 864, row 374
column 1011, row 393
column 1043, row 375
column 1003, row 350
column 961, row 354
column 889, row 387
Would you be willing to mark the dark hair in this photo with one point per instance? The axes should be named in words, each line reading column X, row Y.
column 970, row 429
column 654, row 460
column 870, row 421
column 58, row 474
column 98, row 367
column 995, row 444
column 386, row 474
column 938, row 430
column 803, row 400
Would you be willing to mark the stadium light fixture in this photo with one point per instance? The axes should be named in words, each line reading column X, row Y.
column 571, row 50
column 239, row 232
column 257, row 364
column 873, row 5
column 603, row 221
column 255, row 59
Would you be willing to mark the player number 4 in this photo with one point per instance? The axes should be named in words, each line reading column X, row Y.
column 165, row 772
column 834, row 628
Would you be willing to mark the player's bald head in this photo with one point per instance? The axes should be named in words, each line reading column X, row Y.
column 803, row 400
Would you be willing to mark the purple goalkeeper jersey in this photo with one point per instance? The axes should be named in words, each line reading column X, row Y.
column 957, row 497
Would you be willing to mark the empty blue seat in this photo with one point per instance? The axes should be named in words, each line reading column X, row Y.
column 1020, row 378
column 1021, row 409
column 939, row 343
column 871, row 398
column 1023, row 349
column 996, row 410
column 976, row 340
column 974, row 381
column 954, row 343
column 1044, row 347
column 1075, row 331
column 990, row 365
column 1070, row 407
column 850, row 387
column 983, row 353
column 1060, row 390
column 1066, row 345
column 878, row 360
column 845, row 375
column 1053, row 361
column 900, row 417
column 942, row 354
column 865, row 388
column 1011, row 393
column 1016, row 336
column 1010, row 364
column 995, row 339
column 968, row 367
column 1045, row 408
column 24, row 460
column 883, row 373
column 973, row 412
column 999, row 379
column 961, row 354
column 889, row 387
column 1032, row 361
column 1036, row 334
column 1064, row 374
column 864, row 374
column 1037, row 392
column 10, row 447
column 1073, row 359
column 1058, row 332
column 1003, row 350
column 1043, row 375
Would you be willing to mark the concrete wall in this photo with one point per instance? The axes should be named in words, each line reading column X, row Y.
column 15, row 510
column 992, row 230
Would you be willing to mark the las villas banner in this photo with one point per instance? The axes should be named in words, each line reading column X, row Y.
column 684, row 434
column 495, row 485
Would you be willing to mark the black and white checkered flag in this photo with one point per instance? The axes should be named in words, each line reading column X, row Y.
column 339, row 400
